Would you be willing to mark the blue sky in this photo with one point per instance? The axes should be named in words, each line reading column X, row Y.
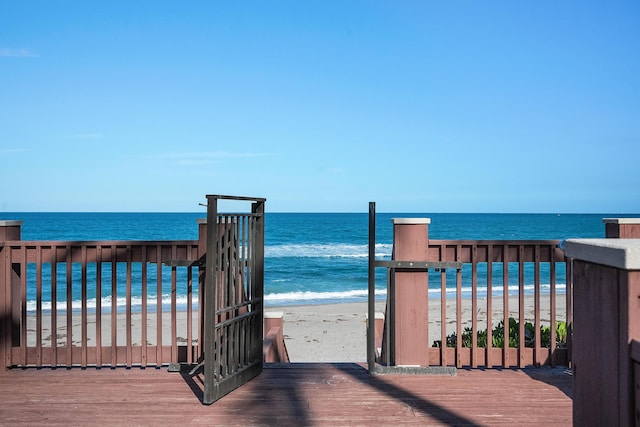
column 501, row 106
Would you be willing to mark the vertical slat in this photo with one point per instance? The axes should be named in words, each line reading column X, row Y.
column 69, row 289
column 143, row 329
column 245, row 332
column 221, row 297
column 474, row 305
column 258, row 242
column 83, row 322
column 552, row 315
column 190, row 313
column 224, row 299
column 489, row 306
column 201, row 309
column 569, row 310
column 210, row 358
column 231, row 344
column 158, row 305
column 238, row 291
column 505, row 304
column 6, row 296
column 114, row 305
column 536, row 293
column 23, row 306
column 231, row 296
column 38, row 306
column 250, row 256
column 54, row 306
column 129, row 325
column 443, row 317
column 174, row 321
column 521, row 343
column 458, row 310
column 389, row 319
column 99, row 305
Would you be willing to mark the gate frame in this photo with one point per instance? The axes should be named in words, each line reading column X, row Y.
column 215, row 386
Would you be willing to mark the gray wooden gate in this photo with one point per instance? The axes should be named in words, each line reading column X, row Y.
column 233, row 297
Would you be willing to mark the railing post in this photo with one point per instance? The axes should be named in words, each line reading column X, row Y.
column 410, row 293
column 274, row 321
column 9, row 279
column 202, row 251
column 622, row 228
column 606, row 294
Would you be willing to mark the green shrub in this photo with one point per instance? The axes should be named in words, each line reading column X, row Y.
column 497, row 335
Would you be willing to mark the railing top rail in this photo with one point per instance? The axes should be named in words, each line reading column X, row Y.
column 247, row 214
column 438, row 242
column 242, row 198
column 118, row 243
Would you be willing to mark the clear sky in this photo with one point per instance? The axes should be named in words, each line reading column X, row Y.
column 421, row 106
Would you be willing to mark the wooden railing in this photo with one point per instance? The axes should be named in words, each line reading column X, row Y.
column 519, row 266
column 72, row 303
column 135, row 303
column 460, row 321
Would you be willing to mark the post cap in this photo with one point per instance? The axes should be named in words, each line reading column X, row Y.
column 621, row 220
column 618, row 253
column 411, row 220
column 273, row 314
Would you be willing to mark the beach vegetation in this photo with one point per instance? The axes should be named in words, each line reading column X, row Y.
column 498, row 335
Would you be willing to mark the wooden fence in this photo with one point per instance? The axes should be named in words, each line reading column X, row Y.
column 85, row 312
column 468, row 291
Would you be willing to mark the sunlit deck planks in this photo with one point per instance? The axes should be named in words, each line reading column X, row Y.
column 295, row 394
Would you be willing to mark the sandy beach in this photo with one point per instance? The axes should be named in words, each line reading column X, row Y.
column 313, row 333
column 337, row 332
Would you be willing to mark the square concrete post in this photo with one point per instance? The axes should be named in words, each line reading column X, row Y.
column 606, row 292
column 411, row 293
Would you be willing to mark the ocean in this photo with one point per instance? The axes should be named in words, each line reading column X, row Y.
column 310, row 258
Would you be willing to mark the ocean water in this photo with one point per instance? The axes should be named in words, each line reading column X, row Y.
column 309, row 258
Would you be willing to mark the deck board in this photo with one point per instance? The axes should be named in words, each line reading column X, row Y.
column 295, row 394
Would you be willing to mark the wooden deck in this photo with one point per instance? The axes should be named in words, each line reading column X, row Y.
column 295, row 394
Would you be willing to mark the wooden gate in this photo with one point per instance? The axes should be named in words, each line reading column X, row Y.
column 233, row 297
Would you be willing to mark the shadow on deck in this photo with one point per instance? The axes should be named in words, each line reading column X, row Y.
column 288, row 394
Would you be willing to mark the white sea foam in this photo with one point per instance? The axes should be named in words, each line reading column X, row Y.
column 337, row 250
column 303, row 297
column 106, row 304
column 307, row 296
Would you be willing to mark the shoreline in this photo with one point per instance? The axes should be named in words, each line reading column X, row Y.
column 312, row 332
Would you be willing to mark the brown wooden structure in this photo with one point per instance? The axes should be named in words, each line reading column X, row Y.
column 607, row 333
column 416, row 259
column 59, row 334
column 288, row 395
column 233, row 298
column 605, row 352
column 221, row 275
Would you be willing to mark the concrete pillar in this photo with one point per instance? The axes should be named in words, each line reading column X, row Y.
column 606, row 292
column 410, row 293
column 622, row 228
column 9, row 279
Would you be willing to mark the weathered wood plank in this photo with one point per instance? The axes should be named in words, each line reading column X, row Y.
column 296, row 394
